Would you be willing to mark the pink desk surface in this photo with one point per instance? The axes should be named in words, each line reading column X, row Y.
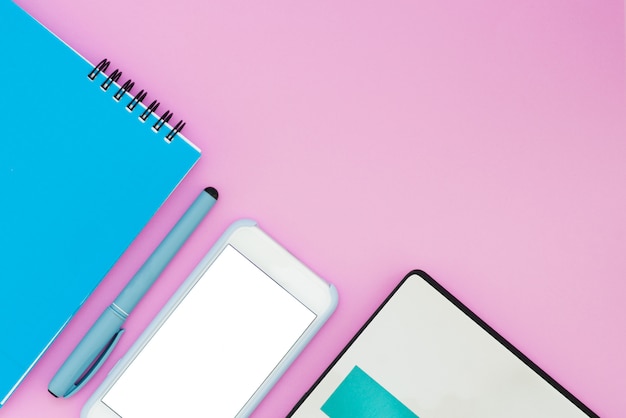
column 480, row 141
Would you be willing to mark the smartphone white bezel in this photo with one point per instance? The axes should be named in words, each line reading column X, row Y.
column 276, row 262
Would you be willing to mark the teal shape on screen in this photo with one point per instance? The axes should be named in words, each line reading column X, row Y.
column 361, row 396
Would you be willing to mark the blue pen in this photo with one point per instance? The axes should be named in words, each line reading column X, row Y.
column 99, row 341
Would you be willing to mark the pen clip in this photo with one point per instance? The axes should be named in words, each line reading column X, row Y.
column 96, row 364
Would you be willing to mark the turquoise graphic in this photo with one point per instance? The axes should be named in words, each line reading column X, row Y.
column 361, row 396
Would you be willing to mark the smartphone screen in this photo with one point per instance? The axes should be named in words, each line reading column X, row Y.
column 216, row 348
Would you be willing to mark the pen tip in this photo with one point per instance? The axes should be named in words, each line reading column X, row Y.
column 212, row 192
column 53, row 394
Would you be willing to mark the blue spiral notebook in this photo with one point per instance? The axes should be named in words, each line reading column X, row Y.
column 84, row 165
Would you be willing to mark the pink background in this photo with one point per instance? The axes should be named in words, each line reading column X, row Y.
column 482, row 142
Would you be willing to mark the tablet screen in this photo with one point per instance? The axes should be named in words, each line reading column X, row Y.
column 422, row 356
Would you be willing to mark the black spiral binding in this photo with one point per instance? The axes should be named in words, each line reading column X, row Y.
column 114, row 77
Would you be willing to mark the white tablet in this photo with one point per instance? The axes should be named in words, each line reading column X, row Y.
column 424, row 354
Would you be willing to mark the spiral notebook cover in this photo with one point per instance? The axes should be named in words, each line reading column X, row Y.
column 81, row 173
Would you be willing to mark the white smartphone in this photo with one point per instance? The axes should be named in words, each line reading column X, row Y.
column 224, row 338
